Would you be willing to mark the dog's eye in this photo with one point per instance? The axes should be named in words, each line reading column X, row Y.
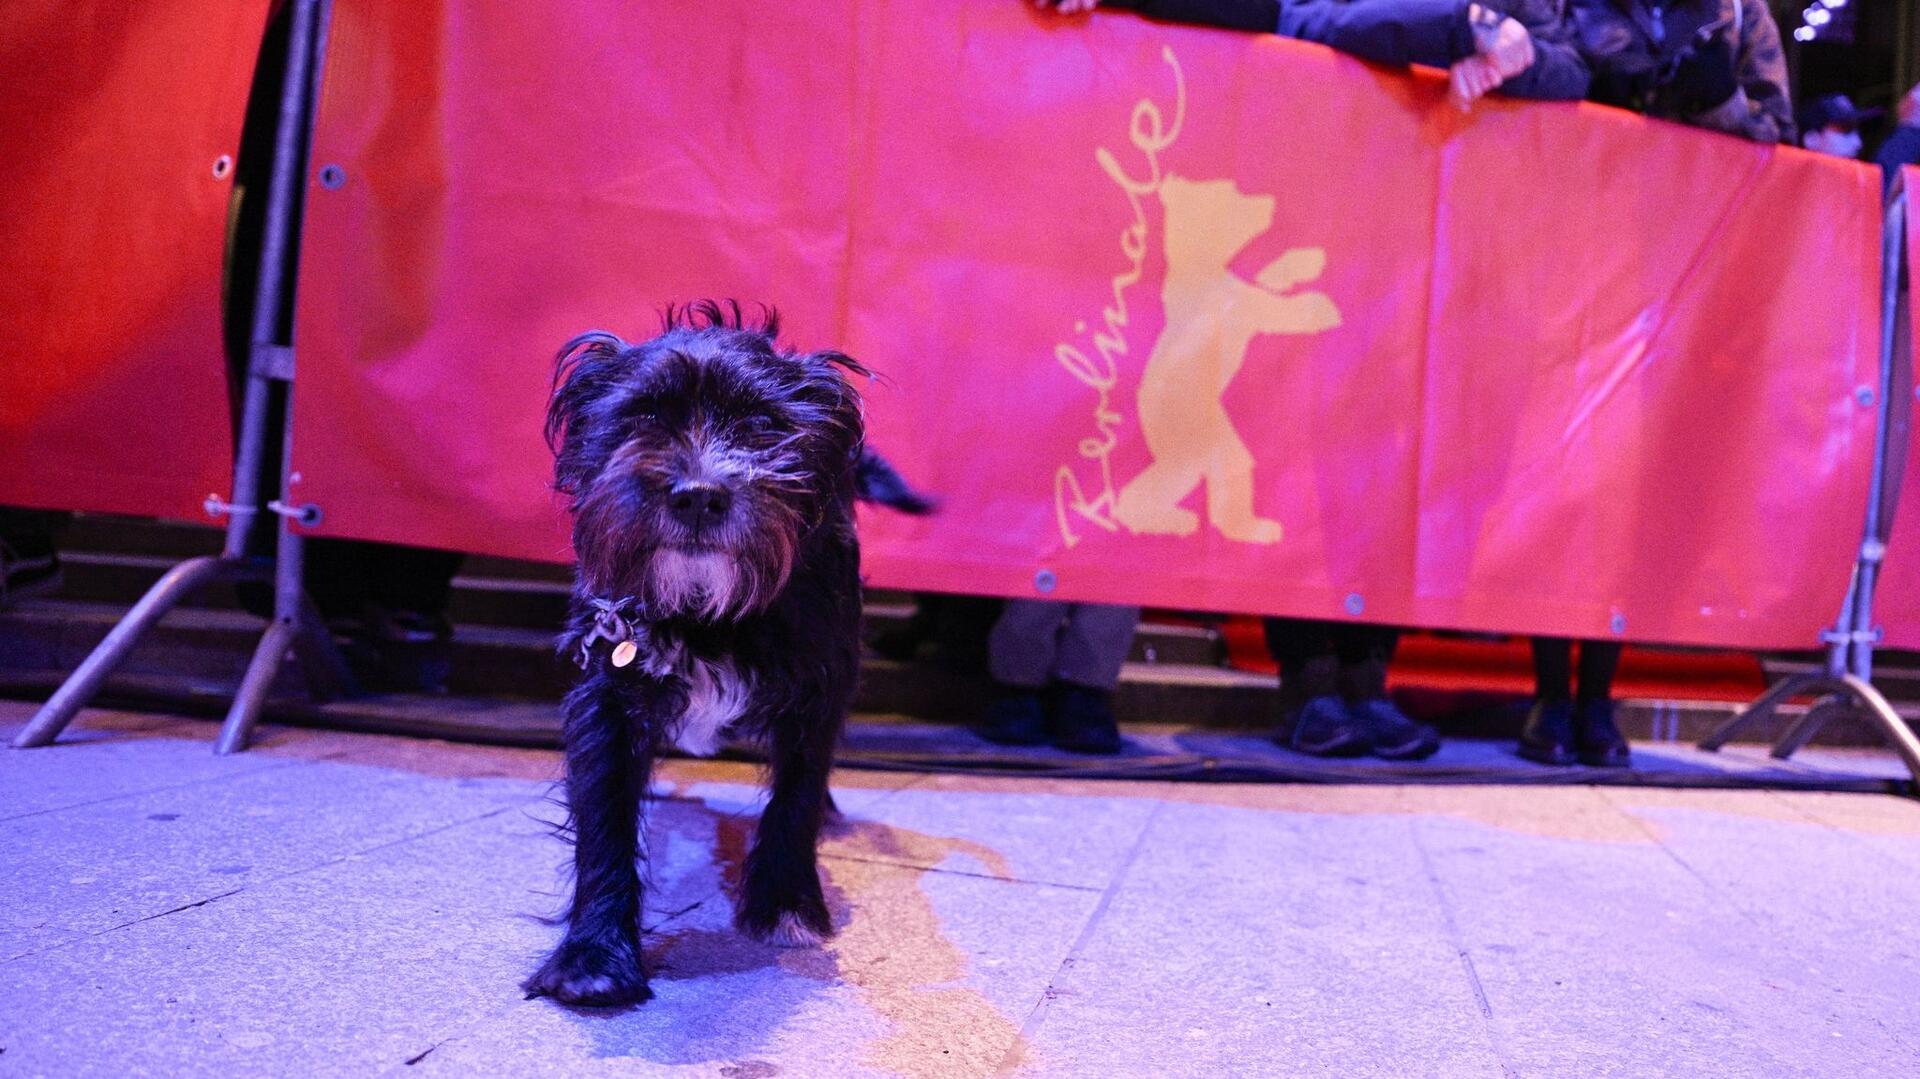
column 761, row 424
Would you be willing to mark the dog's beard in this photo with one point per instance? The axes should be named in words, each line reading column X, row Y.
column 706, row 584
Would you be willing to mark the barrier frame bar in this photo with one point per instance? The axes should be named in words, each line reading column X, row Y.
column 1846, row 687
column 295, row 624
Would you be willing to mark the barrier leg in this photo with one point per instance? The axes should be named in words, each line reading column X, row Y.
column 1804, row 728
column 245, row 712
column 1881, row 714
column 79, row 688
column 1763, row 709
column 268, row 363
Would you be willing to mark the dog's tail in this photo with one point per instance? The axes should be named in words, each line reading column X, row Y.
column 874, row 480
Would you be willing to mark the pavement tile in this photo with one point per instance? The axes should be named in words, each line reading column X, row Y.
column 930, row 975
column 1835, row 902
column 1252, row 942
column 999, row 828
column 1603, row 956
column 343, row 970
column 101, row 758
column 92, row 867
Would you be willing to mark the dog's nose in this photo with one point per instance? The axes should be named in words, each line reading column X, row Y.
column 699, row 505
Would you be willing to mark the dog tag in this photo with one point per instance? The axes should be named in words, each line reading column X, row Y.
column 624, row 652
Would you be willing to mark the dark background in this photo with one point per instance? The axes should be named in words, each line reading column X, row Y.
column 1867, row 51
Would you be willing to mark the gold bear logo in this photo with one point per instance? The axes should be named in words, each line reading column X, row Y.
column 1212, row 316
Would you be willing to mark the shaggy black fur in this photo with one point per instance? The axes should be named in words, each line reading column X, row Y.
column 712, row 476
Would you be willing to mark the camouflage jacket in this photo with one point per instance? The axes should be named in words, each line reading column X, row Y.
column 1633, row 48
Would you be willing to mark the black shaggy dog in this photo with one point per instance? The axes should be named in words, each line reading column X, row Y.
column 712, row 476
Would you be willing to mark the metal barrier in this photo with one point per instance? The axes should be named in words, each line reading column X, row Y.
column 1846, row 687
column 269, row 374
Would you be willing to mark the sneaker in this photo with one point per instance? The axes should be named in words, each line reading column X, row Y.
column 1302, row 681
column 23, row 578
column 1082, row 720
column 1601, row 745
column 1326, row 727
column 1394, row 736
column 1015, row 717
column 1548, row 736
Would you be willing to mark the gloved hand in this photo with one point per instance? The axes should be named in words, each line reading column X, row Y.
column 1705, row 79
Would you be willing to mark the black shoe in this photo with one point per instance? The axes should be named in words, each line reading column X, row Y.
column 1548, row 735
column 1394, row 736
column 1015, row 717
column 398, row 651
column 1081, row 720
column 22, row 577
column 901, row 644
column 1326, row 727
column 1600, row 741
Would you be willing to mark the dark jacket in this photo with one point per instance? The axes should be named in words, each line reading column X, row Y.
column 1432, row 32
column 1901, row 148
column 1635, row 47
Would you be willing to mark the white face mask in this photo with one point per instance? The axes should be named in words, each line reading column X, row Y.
column 1829, row 141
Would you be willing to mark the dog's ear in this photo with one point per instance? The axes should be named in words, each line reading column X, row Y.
column 827, row 390
column 584, row 372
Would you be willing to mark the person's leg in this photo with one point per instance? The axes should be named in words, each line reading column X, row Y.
column 1094, row 644
column 1596, row 736
column 1433, row 32
column 1020, row 659
column 1599, row 660
column 1024, row 642
column 1313, row 718
column 1093, row 647
column 1365, row 652
column 1552, row 668
column 1547, row 736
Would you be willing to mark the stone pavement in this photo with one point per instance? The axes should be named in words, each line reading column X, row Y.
column 335, row 904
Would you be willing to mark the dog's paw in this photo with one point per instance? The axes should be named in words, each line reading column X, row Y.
column 787, row 928
column 792, row 932
column 591, row 977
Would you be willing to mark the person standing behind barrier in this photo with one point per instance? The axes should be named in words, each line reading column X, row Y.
column 1563, row 727
column 1712, row 63
column 1054, row 666
column 1522, row 48
column 1831, row 125
column 1333, row 692
column 1903, row 146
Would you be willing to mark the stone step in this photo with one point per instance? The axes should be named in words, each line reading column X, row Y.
column 213, row 644
column 196, row 657
column 531, row 602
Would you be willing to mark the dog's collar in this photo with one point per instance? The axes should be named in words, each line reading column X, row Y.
column 618, row 622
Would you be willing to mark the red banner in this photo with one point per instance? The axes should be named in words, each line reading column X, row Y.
column 1170, row 316
column 121, row 122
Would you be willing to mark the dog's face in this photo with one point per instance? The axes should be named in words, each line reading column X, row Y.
column 697, row 461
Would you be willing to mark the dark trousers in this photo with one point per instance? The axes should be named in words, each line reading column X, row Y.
column 1553, row 669
column 1293, row 641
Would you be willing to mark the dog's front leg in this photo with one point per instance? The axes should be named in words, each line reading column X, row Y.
column 780, row 896
column 609, row 761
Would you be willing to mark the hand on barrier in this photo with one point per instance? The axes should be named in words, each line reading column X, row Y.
column 1067, row 7
column 1503, row 49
